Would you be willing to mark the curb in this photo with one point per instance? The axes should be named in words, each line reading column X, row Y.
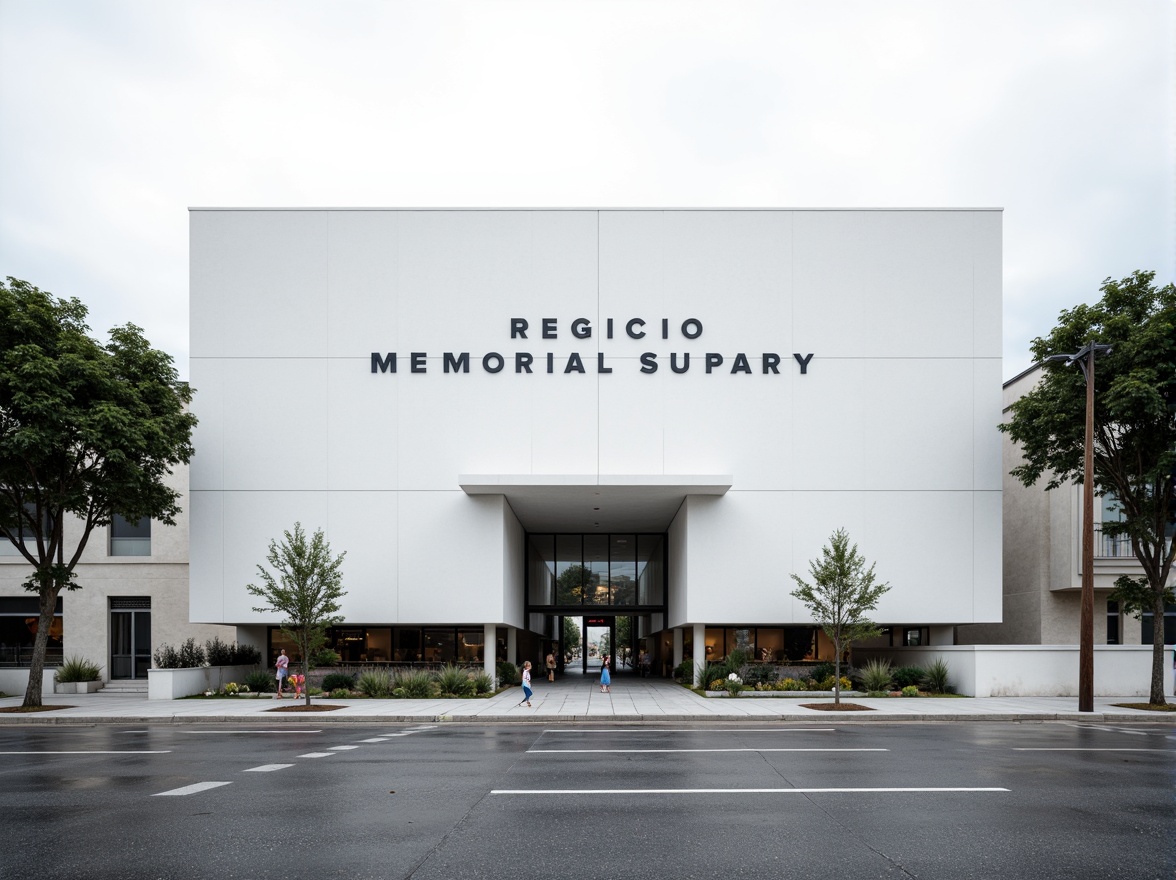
column 814, row 718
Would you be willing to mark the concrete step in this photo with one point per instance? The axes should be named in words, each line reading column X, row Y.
column 129, row 688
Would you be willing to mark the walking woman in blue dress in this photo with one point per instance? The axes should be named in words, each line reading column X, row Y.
column 605, row 678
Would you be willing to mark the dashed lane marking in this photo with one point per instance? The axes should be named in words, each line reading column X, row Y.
column 342, row 748
column 377, row 739
column 572, row 791
column 317, row 755
column 190, row 789
column 267, row 768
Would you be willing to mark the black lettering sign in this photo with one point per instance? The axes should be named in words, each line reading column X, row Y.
column 695, row 328
column 518, row 328
column 417, row 362
column 803, row 361
column 649, row 362
column 459, row 364
column 549, row 328
column 523, row 362
column 600, row 367
column 741, row 365
column 493, row 362
column 386, row 364
column 635, row 334
column 674, row 362
column 713, row 359
column 582, row 328
column 771, row 363
column 575, row 365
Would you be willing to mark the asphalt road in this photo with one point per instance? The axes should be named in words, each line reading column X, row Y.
column 965, row 800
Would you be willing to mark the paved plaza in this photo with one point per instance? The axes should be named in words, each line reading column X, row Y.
column 578, row 698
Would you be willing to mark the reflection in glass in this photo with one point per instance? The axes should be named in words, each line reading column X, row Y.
column 596, row 569
column 741, row 640
column 408, row 645
column 469, row 645
column 649, row 570
column 769, row 645
column 569, row 570
column 377, row 644
column 541, row 569
column 439, row 646
column 715, row 649
column 622, row 569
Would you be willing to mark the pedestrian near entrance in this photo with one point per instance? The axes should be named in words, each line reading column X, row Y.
column 527, row 692
column 282, row 664
column 605, row 677
column 551, row 666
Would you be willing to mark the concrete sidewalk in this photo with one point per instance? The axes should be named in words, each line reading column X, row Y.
column 575, row 698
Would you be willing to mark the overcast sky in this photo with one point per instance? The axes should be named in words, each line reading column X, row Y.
column 115, row 117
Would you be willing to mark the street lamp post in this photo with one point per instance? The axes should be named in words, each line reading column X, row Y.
column 1085, row 359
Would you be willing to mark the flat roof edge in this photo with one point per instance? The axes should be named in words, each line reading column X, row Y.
column 564, row 208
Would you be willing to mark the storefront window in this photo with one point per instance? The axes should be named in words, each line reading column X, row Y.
column 622, row 569
column 569, row 570
column 407, row 645
column 439, row 646
column 470, row 645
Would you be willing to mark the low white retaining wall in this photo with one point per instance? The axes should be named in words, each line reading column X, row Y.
column 1034, row 670
column 171, row 684
column 15, row 682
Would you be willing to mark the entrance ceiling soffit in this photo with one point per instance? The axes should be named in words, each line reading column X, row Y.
column 589, row 503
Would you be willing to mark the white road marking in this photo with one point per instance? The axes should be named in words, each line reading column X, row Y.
column 1168, row 751
column 267, row 768
column 342, row 748
column 706, row 730
column 612, row 751
column 1103, row 728
column 96, row 752
column 190, row 789
column 570, row 791
column 378, row 739
column 317, row 755
column 424, row 727
column 251, row 731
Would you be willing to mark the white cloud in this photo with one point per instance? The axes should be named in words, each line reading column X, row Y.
column 120, row 115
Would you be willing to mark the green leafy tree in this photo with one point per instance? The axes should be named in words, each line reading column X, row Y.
column 87, row 431
column 571, row 636
column 570, row 585
column 841, row 593
column 307, row 589
column 1134, row 431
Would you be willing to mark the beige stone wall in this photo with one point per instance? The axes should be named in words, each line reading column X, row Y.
column 162, row 576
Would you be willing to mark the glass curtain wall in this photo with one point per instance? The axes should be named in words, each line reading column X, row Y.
column 596, row 571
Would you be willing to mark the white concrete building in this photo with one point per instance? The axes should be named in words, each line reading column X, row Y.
column 509, row 417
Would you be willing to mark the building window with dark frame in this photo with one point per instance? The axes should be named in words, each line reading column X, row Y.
column 130, row 538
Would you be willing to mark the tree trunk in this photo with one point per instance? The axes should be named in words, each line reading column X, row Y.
column 1157, row 677
column 48, row 604
column 837, row 673
column 306, row 678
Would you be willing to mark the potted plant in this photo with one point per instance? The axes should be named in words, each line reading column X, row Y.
column 77, row 675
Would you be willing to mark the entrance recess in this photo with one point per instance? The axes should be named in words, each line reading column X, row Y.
column 130, row 637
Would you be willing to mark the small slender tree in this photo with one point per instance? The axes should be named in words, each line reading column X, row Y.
column 307, row 590
column 841, row 593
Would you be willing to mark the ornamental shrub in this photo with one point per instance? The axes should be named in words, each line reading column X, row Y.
column 483, row 684
column 218, row 653
column 936, row 678
column 340, row 693
column 167, row 657
column 231, row 689
column 324, row 657
column 713, row 671
column 245, row 655
column 454, row 681
column 910, row 691
column 822, row 671
column 76, row 668
column 759, row 673
column 684, row 671
column 376, row 683
column 716, row 684
column 261, row 682
column 335, row 680
column 508, row 673
column 875, row 675
column 191, row 655
column 905, row 676
column 417, row 683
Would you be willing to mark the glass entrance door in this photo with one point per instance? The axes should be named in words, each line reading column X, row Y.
column 130, row 643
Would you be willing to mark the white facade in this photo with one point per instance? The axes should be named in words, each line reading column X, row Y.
column 430, row 480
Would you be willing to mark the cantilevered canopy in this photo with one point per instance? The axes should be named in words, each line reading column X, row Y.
column 573, row 503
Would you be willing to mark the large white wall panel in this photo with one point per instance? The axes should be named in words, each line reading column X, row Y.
column 883, row 283
column 251, row 520
column 367, row 526
column 208, row 438
column 729, row 269
column 987, row 298
column 206, row 557
column 259, row 282
column 987, row 557
column 275, row 423
column 363, row 424
column 363, row 260
column 450, row 557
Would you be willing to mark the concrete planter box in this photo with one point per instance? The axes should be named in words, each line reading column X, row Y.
column 1033, row 670
column 16, row 681
column 172, row 684
column 65, row 687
